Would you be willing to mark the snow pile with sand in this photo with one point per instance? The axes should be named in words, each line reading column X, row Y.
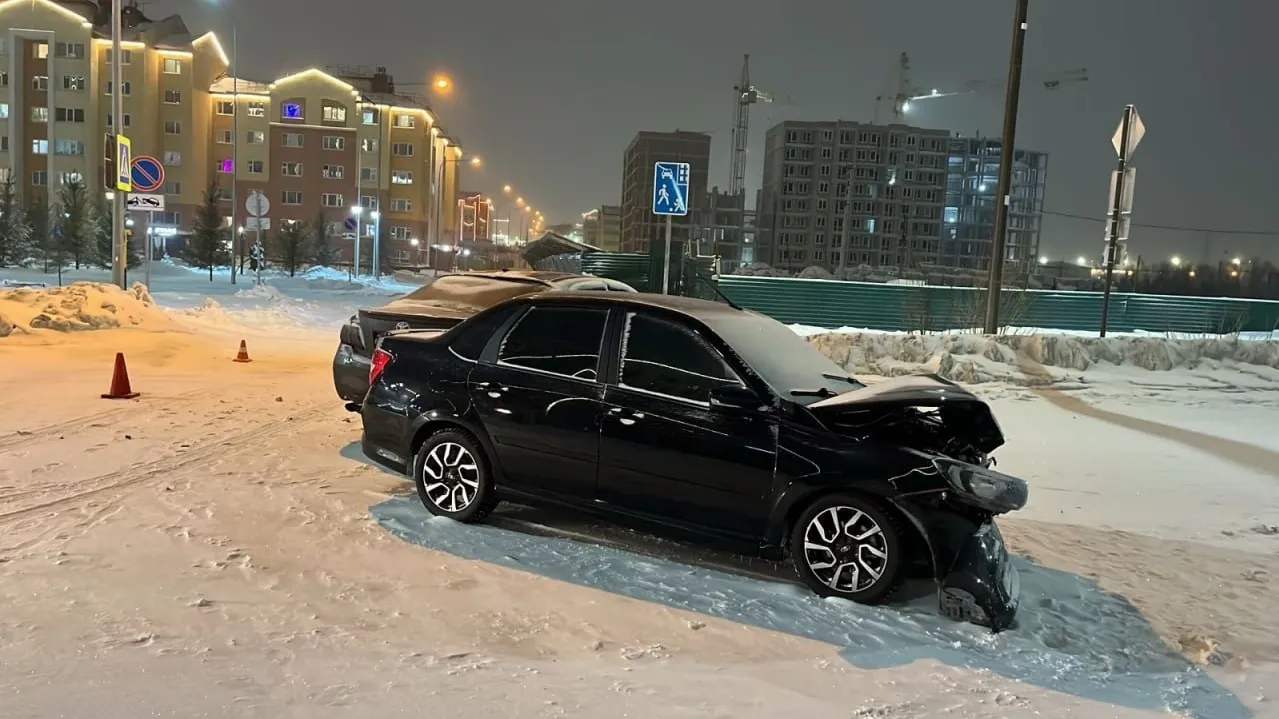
column 78, row 307
column 1031, row 359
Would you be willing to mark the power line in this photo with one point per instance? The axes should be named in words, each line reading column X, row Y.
column 1177, row 228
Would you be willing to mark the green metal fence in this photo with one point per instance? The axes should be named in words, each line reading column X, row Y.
column 832, row 303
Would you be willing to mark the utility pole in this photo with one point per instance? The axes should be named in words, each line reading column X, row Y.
column 994, row 285
column 1125, row 140
column 120, row 259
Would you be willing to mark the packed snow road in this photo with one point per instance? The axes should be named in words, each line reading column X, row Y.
column 218, row 547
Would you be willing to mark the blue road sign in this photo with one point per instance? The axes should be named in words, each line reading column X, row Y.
column 350, row 224
column 670, row 188
column 147, row 173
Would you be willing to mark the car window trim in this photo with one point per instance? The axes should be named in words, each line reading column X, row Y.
column 619, row 352
column 499, row 338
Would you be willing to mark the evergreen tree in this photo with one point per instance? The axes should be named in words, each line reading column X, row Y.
column 323, row 254
column 42, row 243
column 207, row 247
column 291, row 244
column 104, row 253
column 75, row 227
column 15, row 229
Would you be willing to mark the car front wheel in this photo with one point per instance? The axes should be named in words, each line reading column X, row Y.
column 453, row 477
column 846, row 546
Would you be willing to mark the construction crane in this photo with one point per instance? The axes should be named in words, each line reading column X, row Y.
column 746, row 95
column 908, row 93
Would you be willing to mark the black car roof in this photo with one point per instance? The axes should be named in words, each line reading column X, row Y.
column 690, row 306
column 540, row 276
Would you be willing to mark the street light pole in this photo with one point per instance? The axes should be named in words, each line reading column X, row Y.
column 1007, row 149
column 120, row 258
column 235, row 151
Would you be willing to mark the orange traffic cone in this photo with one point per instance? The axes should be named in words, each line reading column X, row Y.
column 120, row 388
column 243, row 354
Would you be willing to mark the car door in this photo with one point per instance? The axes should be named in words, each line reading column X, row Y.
column 538, row 395
column 664, row 451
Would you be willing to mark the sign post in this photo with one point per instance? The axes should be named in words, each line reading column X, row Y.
column 123, row 183
column 1123, row 181
column 670, row 199
column 257, row 206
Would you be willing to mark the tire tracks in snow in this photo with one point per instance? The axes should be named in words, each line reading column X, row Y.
column 23, row 436
column 227, row 445
column 1250, row 456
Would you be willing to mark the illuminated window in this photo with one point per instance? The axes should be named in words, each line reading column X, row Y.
column 291, row 111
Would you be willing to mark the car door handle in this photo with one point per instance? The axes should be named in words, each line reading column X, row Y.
column 491, row 390
column 626, row 416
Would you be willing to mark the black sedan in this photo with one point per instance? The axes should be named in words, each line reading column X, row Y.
column 440, row 305
column 703, row 418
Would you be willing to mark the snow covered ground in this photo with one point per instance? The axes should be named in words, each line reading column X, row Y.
column 220, row 548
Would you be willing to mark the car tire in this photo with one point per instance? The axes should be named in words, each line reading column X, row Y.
column 453, row 477
column 844, row 545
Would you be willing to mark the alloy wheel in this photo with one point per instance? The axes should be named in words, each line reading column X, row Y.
column 845, row 549
column 450, row 477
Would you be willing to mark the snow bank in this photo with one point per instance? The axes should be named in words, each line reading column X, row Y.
column 77, row 307
column 1028, row 359
column 278, row 315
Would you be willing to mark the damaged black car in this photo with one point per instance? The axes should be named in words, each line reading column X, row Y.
column 708, row 420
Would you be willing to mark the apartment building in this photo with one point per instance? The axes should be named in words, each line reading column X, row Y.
column 311, row 142
column 56, row 108
column 841, row 194
column 316, row 144
column 723, row 227
column 638, row 223
column 972, row 178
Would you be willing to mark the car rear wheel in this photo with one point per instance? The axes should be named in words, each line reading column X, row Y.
column 846, row 546
column 453, row 478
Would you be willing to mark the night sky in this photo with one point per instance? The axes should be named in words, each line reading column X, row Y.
column 549, row 93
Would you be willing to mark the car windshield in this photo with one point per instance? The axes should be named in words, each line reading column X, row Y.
column 472, row 290
column 786, row 361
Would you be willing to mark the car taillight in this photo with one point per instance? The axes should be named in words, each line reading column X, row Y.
column 381, row 358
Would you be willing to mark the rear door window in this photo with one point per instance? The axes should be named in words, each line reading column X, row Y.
column 556, row 340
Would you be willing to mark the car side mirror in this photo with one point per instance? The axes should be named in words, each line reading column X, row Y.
column 735, row 397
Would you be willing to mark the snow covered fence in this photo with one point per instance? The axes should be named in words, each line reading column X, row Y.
column 833, row 303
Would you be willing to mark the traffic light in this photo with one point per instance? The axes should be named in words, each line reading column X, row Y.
column 108, row 161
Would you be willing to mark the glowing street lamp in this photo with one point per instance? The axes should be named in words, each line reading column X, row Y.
column 1176, row 261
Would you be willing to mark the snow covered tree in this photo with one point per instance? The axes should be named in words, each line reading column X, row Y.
column 15, row 230
column 207, row 246
column 291, row 243
column 322, row 250
column 75, row 227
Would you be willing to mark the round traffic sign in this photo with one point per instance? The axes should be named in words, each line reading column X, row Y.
column 350, row 224
column 257, row 204
column 147, row 173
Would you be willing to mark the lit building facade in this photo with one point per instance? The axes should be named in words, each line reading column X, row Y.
column 313, row 143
